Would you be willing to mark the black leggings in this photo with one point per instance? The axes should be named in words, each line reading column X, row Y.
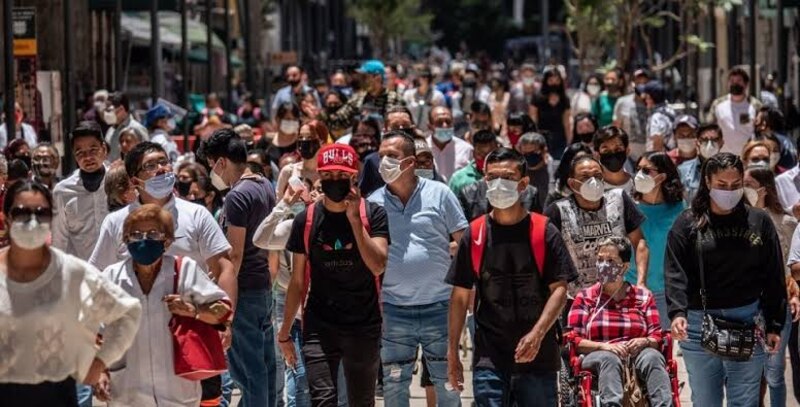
column 46, row 394
column 360, row 355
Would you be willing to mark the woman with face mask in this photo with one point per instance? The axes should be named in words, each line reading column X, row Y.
column 758, row 154
column 287, row 121
column 167, row 286
column 723, row 268
column 550, row 110
column 313, row 136
column 590, row 214
column 659, row 195
column 584, row 98
column 614, row 322
column 49, row 326
column 561, row 174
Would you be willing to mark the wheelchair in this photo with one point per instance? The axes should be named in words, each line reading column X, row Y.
column 579, row 385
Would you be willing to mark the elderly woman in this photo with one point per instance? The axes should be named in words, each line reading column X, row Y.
column 119, row 190
column 614, row 321
column 146, row 375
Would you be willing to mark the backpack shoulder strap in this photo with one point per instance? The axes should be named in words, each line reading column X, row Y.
column 364, row 217
column 477, row 242
column 537, row 238
column 307, row 242
column 178, row 263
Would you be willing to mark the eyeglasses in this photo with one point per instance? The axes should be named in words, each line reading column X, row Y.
column 648, row 171
column 22, row 212
column 138, row 235
column 153, row 166
column 79, row 154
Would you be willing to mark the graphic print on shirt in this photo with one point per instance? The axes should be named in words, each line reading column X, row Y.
column 583, row 229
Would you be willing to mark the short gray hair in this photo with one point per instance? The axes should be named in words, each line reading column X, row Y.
column 621, row 243
column 532, row 138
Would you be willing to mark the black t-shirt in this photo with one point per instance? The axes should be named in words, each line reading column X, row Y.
column 343, row 293
column 551, row 121
column 511, row 293
column 275, row 153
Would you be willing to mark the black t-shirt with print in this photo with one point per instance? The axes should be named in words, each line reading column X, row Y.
column 511, row 293
column 343, row 292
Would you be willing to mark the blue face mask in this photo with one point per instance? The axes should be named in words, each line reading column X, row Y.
column 160, row 186
column 147, row 251
column 443, row 134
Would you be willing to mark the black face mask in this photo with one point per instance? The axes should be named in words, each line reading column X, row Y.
column 613, row 161
column 736, row 89
column 533, row 159
column 26, row 159
column 200, row 201
column 585, row 138
column 333, row 108
column 307, row 148
column 92, row 180
column 293, row 83
column 183, row 188
column 336, row 190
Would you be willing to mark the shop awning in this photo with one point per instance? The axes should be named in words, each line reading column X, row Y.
column 137, row 25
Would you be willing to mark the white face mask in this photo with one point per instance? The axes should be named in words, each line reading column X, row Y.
column 686, row 145
column 592, row 190
column 593, row 90
column 773, row 159
column 99, row 105
column 110, row 117
column 424, row 173
column 443, row 134
column 725, row 199
column 751, row 195
column 528, row 81
column 502, row 193
column 289, row 126
column 643, row 183
column 390, row 169
column 30, row 235
column 709, row 149
column 217, row 180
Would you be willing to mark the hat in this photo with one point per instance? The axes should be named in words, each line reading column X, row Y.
column 421, row 146
column 156, row 113
column 688, row 120
column 373, row 67
column 642, row 72
column 337, row 157
column 653, row 88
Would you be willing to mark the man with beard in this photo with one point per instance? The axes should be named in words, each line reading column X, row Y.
column 735, row 112
column 295, row 88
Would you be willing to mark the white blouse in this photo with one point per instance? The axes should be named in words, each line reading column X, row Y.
column 48, row 326
column 145, row 376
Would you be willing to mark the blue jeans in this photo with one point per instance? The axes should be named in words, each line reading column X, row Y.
column 294, row 380
column 776, row 367
column 84, row 395
column 404, row 330
column 661, row 305
column 493, row 388
column 252, row 353
column 709, row 374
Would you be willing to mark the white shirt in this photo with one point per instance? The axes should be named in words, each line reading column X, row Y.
column 736, row 121
column 78, row 216
column 788, row 185
column 49, row 325
column 197, row 235
column 456, row 155
column 146, row 374
column 161, row 137
column 25, row 131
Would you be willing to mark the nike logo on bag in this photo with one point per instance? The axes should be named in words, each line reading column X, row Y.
column 479, row 240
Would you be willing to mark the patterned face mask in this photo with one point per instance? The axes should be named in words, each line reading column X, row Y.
column 608, row 272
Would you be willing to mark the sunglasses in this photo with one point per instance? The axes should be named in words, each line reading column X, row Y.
column 22, row 212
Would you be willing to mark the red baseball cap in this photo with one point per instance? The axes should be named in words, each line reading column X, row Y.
column 337, row 157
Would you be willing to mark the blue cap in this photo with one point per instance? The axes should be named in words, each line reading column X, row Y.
column 157, row 112
column 653, row 88
column 373, row 67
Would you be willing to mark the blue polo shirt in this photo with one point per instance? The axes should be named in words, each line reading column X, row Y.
column 419, row 256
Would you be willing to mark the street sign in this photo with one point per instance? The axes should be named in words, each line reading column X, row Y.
column 282, row 58
column 24, row 28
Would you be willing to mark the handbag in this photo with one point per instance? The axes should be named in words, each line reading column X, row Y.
column 632, row 395
column 197, row 347
column 732, row 340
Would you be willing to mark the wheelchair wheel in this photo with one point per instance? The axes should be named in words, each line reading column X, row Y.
column 566, row 388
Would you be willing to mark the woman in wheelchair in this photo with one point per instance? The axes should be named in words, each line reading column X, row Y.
column 615, row 325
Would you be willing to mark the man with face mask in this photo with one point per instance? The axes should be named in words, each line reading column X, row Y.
column 685, row 139
column 45, row 162
column 118, row 116
column 421, row 99
column 160, row 121
column 450, row 153
column 484, row 142
column 534, row 147
column 660, row 118
column 611, row 149
column 591, row 214
column 523, row 91
column 414, row 292
column 603, row 107
column 709, row 142
column 250, row 199
column 24, row 130
column 735, row 113
column 95, row 112
column 340, row 245
column 630, row 114
column 291, row 93
column 520, row 268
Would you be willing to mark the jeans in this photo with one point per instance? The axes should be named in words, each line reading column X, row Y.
column 709, row 374
column 84, row 395
column 661, row 305
column 252, row 353
column 776, row 367
column 493, row 388
column 359, row 352
column 651, row 368
column 227, row 389
column 296, row 385
column 405, row 329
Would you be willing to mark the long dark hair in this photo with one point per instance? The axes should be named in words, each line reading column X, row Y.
column 671, row 188
column 701, row 205
column 766, row 178
column 565, row 166
column 546, row 89
column 25, row 185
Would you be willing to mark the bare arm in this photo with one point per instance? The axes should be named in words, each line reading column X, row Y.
column 528, row 347
column 642, row 255
column 566, row 119
column 374, row 250
column 274, row 261
column 222, row 271
column 294, row 294
column 459, row 302
column 236, row 237
column 533, row 111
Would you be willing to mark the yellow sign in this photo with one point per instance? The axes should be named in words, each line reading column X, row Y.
column 24, row 28
column 25, row 48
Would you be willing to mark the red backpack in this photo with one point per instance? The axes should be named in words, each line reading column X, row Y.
column 307, row 240
column 478, row 241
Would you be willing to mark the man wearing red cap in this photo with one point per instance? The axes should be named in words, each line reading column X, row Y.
column 340, row 246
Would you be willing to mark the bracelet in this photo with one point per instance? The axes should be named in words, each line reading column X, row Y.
column 288, row 339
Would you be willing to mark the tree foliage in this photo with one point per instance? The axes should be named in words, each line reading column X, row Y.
column 392, row 20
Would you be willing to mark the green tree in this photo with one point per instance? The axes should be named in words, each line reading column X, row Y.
column 392, row 21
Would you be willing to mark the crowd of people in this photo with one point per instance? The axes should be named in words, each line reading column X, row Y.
column 351, row 231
